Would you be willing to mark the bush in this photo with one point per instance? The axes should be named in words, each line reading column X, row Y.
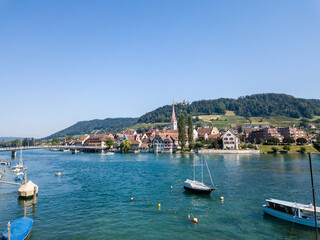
column 303, row 150
column 198, row 145
column 275, row 149
column 286, row 148
column 301, row 141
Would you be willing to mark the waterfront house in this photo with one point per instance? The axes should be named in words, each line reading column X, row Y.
column 230, row 140
column 144, row 148
column 206, row 132
column 164, row 143
column 97, row 140
column 81, row 141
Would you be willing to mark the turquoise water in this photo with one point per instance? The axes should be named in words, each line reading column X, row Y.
column 91, row 200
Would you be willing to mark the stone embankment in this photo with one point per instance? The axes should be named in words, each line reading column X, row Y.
column 214, row 151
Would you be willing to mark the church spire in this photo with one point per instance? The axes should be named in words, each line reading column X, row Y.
column 173, row 122
column 173, row 116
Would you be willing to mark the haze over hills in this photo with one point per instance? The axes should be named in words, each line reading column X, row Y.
column 257, row 105
column 10, row 138
column 90, row 127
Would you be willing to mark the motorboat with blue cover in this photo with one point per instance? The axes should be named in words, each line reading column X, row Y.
column 19, row 229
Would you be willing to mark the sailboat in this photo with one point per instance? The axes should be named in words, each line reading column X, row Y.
column 195, row 186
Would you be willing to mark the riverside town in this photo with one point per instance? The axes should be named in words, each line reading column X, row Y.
column 207, row 139
column 161, row 120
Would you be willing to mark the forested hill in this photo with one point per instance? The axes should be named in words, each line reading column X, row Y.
column 267, row 104
column 102, row 126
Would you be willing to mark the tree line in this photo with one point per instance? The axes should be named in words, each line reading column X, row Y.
column 18, row 143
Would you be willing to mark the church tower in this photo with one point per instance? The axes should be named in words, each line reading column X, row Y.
column 173, row 122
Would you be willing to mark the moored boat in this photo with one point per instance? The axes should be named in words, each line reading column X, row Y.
column 293, row 212
column 198, row 187
column 19, row 177
column 19, row 229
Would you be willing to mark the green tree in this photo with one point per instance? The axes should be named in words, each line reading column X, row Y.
column 289, row 140
column 70, row 137
column 55, row 141
column 275, row 149
column 16, row 143
column 190, row 132
column 286, row 147
column 303, row 150
column 182, row 131
column 125, row 145
column 273, row 141
column 317, row 144
column 301, row 141
column 109, row 142
column 198, row 145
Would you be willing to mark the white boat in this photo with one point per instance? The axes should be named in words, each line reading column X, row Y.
column 198, row 187
column 293, row 212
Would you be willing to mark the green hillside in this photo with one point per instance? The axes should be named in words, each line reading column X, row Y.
column 220, row 121
column 96, row 126
column 265, row 105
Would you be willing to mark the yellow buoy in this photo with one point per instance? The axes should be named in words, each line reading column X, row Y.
column 195, row 220
column 222, row 198
column 159, row 206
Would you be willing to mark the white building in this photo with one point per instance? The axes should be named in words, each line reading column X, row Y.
column 230, row 140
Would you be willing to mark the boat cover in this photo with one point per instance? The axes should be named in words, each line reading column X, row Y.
column 20, row 228
column 196, row 185
column 305, row 207
column 19, row 177
column 27, row 189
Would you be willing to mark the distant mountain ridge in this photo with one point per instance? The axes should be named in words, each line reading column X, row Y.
column 10, row 138
column 266, row 104
column 96, row 125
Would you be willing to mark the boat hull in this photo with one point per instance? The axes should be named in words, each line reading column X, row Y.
column 20, row 229
column 289, row 217
column 198, row 191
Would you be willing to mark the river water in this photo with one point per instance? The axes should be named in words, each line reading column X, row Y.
column 91, row 200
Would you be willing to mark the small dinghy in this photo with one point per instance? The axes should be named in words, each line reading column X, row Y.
column 19, row 229
column 19, row 177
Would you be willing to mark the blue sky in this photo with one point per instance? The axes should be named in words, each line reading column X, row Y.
column 67, row 61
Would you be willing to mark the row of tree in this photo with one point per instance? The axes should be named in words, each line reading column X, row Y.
column 182, row 138
column 18, row 143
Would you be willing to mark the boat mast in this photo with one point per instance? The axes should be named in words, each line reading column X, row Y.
column 314, row 198
column 209, row 172
column 194, row 169
column 202, row 170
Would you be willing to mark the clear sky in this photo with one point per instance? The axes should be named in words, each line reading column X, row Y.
column 66, row 61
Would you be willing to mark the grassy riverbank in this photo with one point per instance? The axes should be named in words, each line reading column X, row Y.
column 293, row 149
